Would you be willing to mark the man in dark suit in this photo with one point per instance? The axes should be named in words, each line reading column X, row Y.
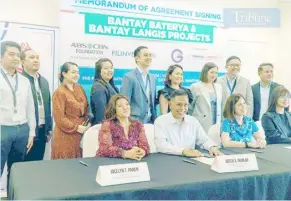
column 42, row 102
column 140, row 87
column 263, row 89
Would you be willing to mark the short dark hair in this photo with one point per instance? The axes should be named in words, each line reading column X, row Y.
column 23, row 54
column 178, row 92
column 231, row 58
column 228, row 111
column 169, row 72
column 65, row 68
column 205, row 69
column 138, row 49
column 6, row 44
column 260, row 68
column 275, row 95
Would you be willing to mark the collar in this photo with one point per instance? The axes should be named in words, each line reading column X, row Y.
column 173, row 120
column 29, row 76
column 244, row 120
column 231, row 80
column 269, row 85
column 5, row 71
column 142, row 71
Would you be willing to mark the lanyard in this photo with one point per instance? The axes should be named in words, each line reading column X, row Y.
column 228, row 85
column 147, row 82
column 38, row 92
column 12, row 90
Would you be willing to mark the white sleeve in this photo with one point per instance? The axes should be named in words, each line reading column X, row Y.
column 202, row 140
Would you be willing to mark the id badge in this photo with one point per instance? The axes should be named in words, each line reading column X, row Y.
column 41, row 112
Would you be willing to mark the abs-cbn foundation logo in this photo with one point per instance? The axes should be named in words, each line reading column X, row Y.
column 89, row 48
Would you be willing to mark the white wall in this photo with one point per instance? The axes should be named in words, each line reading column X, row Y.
column 283, row 68
column 37, row 12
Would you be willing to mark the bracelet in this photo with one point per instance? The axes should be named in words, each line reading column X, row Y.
column 247, row 146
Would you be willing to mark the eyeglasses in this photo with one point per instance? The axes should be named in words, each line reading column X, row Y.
column 234, row 65
column 285, row 97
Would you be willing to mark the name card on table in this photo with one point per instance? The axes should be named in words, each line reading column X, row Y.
column 122, row 174
column 235, row 163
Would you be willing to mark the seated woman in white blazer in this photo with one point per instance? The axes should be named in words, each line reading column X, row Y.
column 207, row 97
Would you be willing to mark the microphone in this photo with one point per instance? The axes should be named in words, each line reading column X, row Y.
column 88, row 120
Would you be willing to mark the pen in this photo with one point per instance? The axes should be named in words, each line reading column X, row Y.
column 257, row 151
column 188, row 161
column 206, row 156
column 83, row 163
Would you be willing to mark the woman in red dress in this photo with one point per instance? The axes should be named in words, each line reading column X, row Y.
column 70, row 110
column 121, row 136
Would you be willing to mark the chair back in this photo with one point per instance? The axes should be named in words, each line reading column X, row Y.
column 89, row 142
column 214, row 133
column 149, row 132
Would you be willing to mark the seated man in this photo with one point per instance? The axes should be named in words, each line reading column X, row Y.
column 177, row 133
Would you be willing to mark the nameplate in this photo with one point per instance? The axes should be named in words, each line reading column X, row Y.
column 122, row 174
column 235, row 163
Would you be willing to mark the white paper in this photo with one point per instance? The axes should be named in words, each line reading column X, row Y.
column 122, row 173
column 288, row 147
column 235, row 163
column 204, row 160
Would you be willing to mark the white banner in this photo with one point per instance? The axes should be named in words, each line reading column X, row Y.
column 91, row 30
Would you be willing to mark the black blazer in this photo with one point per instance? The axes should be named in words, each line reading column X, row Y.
column 257, row 98
column 99, row 97
column 45, row 92
column 273, row 128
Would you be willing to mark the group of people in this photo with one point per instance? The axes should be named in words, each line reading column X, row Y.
column 186, row 114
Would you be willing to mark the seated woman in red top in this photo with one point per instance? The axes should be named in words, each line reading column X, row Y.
column 120, row 135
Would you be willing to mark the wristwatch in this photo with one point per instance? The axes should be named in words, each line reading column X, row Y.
column 246, row 143
column 213, row 146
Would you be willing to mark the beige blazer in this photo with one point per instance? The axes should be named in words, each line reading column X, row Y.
column 243, row 86
column 202, row 105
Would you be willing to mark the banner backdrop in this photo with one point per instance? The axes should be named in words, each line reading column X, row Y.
column 90, row 30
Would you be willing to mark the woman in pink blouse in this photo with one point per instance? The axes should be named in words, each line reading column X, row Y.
column 120, row 135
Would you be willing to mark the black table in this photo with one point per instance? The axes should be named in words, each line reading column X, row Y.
column 276, row 153
column 171, row 178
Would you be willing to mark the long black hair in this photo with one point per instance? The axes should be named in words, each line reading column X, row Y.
column 98, row 77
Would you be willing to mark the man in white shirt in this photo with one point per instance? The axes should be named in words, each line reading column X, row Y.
column 177, row 133
column 17, row 119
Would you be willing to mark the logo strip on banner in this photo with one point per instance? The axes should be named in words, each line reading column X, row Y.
column 252, row 17
column 112, row 25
